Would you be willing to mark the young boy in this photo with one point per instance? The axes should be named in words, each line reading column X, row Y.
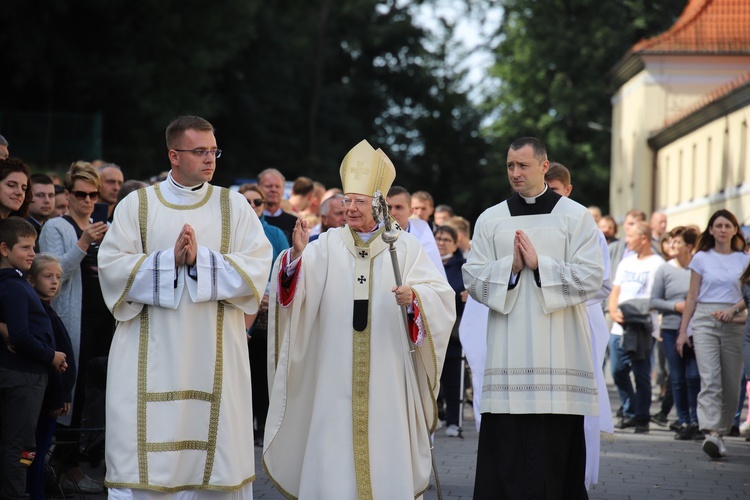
column 28, row 353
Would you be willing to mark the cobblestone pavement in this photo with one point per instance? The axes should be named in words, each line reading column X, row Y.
column 633, row 466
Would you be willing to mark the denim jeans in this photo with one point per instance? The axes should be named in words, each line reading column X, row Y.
column 635, row 403
column 686, row 381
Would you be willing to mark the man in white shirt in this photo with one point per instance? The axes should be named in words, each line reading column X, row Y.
column 633, row 280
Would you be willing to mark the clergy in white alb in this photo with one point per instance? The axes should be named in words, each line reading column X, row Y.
column 181, row 263
column 348, row 417
column 535, row 261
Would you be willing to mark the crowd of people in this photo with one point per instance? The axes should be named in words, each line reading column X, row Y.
column 104, row 274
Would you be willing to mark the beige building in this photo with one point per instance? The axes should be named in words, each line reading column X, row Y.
column 680, row 118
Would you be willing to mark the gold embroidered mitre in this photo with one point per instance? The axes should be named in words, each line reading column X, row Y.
column 366, row 170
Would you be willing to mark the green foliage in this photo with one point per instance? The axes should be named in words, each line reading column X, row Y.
column 552, row 61
column 291, row 84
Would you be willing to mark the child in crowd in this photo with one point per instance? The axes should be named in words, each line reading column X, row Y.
column 27, row 355
column 45, row 276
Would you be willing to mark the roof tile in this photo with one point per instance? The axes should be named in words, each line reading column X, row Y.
column 704, row 27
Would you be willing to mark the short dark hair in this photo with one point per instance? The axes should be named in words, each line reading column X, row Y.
column 540, row 150
column 558, row 172
column 13, row 229
column 688, row 234
column 637, row 213
column 179, row 125
column 397, row 190
column 444, row 208
column 12, row 165
column 41, row 179
column 303, row 186
column 128, row 187
column 449, row 231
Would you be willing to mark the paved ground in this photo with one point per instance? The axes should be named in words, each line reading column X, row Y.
column 633, row 466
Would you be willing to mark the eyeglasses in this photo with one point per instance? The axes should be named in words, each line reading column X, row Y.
column 202, row 152
column 359, row 203
column 81, row 195
column 444, row 240
column 257, row 202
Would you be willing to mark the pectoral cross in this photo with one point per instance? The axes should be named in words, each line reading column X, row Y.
column 363, row 254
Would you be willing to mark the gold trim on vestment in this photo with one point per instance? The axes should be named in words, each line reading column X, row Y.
column 176, row 446
column 143, row 216
column 213, row 423
column 165, row 489
column 431, row 386
column 361, row 402
column 245, row 277
column 161, row 397
column 129, row 283
column 202, row 202
column 141, row 400
column 214, row 398
column 275, row 483
column 361, row 373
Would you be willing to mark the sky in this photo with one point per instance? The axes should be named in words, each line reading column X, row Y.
column 474, row 30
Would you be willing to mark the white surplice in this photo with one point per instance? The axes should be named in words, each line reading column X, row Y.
column 179, row 400
column 346, row 416
column 539, row 357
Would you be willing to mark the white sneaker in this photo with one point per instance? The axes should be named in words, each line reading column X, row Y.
column 453, row 431
column 712, row 446
column 745, row 429
column 722, row 447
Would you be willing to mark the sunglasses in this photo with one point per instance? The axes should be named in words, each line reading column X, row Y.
column 81, row 195
column 257, row 202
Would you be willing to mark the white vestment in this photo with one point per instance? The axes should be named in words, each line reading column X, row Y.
column 423, row 233
column 539, row 357
column 593, row 427
column 346, row 417
column 179, row 402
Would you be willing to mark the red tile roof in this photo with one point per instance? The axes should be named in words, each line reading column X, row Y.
column 704, row 27
column 714, row 95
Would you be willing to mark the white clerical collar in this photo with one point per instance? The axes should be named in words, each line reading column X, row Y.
column 176, row 193
column 532, row 200
column 367, row 235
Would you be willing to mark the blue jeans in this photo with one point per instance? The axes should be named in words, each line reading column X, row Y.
column 686, row 381
column 635, row 403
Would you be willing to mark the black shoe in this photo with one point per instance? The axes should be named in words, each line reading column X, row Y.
column 641, row 427
column 735, row 431
column 619, row 413
column 626, row 422
column 675, row 426
column 698, row 434
column 659, row 419
column 685, row 432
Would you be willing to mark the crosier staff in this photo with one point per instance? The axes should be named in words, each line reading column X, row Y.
column 390, row 236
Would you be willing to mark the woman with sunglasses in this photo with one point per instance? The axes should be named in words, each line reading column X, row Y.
column 15, row 182
column 257, row 327
column 75, row 240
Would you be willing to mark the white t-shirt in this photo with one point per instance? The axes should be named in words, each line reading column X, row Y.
column 635, row 277
column 720, row 275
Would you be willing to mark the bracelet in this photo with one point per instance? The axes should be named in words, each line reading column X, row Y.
column 736, row 311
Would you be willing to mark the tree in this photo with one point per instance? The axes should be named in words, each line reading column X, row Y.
column 552, row 61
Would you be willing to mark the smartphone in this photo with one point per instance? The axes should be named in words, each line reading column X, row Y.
column 100, row 213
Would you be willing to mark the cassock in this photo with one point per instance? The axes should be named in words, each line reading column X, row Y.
column 347, row 417
column 179, row 396
column 539, row 376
